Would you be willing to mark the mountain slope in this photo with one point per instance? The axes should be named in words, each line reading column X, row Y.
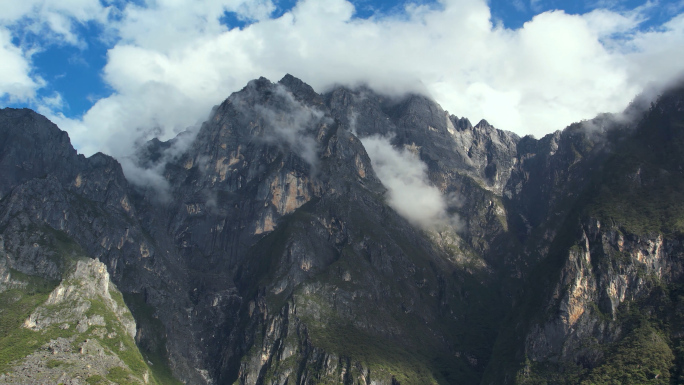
column 315, row 234
column 602, row 305
column 49, row 222
column 276, row 245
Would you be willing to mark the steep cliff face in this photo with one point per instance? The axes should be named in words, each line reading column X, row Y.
column 269, row 246
column 612, row 288
column 289, row 243
column 469, row 164
column 606, row 269
column 608, row 307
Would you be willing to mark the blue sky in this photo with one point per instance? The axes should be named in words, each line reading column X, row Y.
column 111, row 69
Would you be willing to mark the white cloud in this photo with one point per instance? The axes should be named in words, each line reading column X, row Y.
column 16, row 82
column 175, row 60
column 405, row 177
column 114, row 125
column 150, row 176
column 657, row 56
column 53, row 102
column 54, row 20
column 168, row 24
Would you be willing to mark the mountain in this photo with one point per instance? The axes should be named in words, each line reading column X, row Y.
column 346, row 237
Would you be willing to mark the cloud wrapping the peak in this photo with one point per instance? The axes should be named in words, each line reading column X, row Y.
column 174, row 60
column 150, row 175
column 294, row 124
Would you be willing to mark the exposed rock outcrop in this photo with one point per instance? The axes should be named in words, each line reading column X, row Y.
column 82, row 333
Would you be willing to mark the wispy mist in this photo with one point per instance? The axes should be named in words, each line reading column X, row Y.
column 410, row 192
column 146, row 171
column 293, row 124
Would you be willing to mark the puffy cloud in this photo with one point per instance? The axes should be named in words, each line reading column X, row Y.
column 151, row 179
column 55, row 20
column 655, row 57
column 405, row 177
column 117, row 124
column 16, row 82
column 167, row 24
column 174, row 60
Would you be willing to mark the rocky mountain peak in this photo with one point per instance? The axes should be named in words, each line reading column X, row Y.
column 274, row 245
column 461, row 123
column 31, row 147
column 300, row 90
column 483, row 124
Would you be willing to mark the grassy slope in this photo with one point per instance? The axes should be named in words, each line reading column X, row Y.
column 17, row 303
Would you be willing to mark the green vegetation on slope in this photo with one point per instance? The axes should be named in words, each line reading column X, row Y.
column 16, row 305
column 152, row 348
column 642, row 357
column 642, row 186
column 27, row 293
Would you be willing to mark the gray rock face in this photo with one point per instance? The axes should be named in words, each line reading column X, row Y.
column 472, row 164
column 588, row 299
column 276, row 197
column 609, row 253
column 32, row 147
column 266, row 250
